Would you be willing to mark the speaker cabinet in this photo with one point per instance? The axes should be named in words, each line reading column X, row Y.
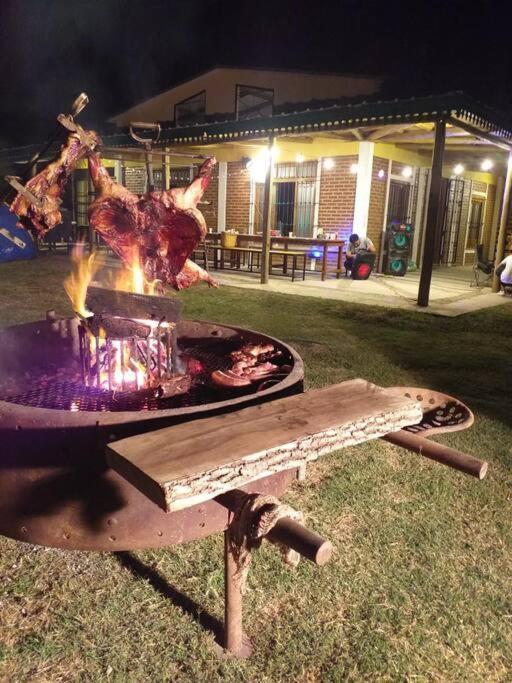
column 399, row 238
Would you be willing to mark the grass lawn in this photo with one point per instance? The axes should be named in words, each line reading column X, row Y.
column 420, row 586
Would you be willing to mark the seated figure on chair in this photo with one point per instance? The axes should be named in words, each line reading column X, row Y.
column 357, row 245
column 504, row 272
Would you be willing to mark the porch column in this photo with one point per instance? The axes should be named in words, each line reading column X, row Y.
column 221, row 196
column 363, row 187
column 432, row 223
column 265, row 246
column 505, row 210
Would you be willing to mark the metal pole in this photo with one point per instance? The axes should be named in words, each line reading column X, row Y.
column 432, row 226
column 233, row 634
column 265, row 246
column 502, row 234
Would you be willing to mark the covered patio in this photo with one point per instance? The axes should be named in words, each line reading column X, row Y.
column 450, row 293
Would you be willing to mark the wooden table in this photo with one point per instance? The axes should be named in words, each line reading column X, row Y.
column 291, row 243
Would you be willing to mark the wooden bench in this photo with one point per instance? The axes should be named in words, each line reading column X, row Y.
column 183, row 465
column 238, row 258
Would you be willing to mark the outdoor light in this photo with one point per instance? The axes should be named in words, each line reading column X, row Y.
column 299, row 158
column 458, row 169
column 354, row 168
column 329, row 164
column 487, row 164
column 259, row 165
column 407, row 171
column 381, row 173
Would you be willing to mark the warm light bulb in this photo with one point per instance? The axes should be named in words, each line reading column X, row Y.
column 354, row 168
column 458, row 169
column 329, row 164
column 381, row 173
column 299, row 158
column 487, row 164
column 407, row 171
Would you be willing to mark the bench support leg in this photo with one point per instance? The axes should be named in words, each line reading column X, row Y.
column 236, row 642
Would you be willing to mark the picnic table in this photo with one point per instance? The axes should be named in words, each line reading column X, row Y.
column 284, row 246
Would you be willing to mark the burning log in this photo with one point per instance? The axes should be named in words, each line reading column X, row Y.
column 117, row 328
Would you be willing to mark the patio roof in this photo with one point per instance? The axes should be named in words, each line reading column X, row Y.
column 457, row 107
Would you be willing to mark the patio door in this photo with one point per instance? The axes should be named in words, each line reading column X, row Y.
column 476, row 219
column 399, row 202
column 284, row 207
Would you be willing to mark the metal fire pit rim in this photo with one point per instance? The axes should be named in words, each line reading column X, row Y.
column 28, row 417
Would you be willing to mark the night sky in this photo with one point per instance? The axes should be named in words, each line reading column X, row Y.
column 124, row 51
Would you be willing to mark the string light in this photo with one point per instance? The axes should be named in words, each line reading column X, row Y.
column 381, row 173
column 299, row 158
column 329, row 164
column 407, row 171
column 354, row 168
column 487, row 164
column 458, row 169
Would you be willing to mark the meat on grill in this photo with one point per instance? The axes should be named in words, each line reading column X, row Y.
column 47, row 186
column 250, row 364
column 159, row 228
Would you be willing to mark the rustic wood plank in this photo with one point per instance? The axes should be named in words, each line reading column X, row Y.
column 182, row 465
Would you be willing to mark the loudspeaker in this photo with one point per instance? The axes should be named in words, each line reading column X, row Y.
column 363, row 266
column 398, row 248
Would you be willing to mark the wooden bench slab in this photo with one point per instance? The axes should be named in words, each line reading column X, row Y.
column 186, row 464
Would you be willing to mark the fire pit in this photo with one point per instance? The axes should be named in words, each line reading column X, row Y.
column 55, row 488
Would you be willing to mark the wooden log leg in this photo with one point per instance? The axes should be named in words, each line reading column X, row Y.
column 304, row 267
column 324, row 262
column 338, row 267
column 236, row 643
column 294, row 265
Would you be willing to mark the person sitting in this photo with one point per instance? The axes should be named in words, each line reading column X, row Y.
column 504, row 272
column 357, row 245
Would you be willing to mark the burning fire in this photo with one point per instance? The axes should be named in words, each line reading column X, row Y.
column 115, row 363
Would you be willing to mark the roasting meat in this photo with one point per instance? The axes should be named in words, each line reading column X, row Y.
column 47, row 186
column 250, row 364
column 161, row 228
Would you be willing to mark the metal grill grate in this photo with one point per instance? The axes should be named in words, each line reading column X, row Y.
column 212, row 354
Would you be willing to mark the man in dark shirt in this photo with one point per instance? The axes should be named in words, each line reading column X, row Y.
column 355, row 246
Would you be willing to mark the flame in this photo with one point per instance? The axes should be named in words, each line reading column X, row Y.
column 127, row 372
column 83, row 269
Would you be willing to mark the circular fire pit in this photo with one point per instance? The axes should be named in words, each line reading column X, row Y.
column 55, row 488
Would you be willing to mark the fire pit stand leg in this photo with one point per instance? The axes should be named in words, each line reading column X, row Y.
column 236, row 643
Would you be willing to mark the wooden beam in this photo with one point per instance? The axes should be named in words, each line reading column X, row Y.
column 357, row 134
column 505, row 210
column 267, row 214
column 433, row 212
column 193, row 462
column 384, row 131
column 482, row 135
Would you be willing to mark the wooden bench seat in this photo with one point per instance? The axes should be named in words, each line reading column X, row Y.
column 181, row 466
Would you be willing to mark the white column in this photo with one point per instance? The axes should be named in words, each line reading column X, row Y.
column 316, row 208
column 363, row 187
column 221, row 196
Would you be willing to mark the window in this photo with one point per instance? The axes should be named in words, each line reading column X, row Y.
column 251, row 102
column 192, row 110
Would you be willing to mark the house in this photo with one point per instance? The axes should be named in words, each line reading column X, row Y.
column 329, row 176
column 338, row 164
column 227, row 93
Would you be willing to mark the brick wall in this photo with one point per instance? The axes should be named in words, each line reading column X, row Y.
column 337, row 197
column 238, row 195
column 377, row 201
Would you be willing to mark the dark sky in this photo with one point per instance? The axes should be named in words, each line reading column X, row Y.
column 123, row 51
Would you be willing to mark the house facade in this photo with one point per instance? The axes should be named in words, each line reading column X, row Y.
column 324, row 181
